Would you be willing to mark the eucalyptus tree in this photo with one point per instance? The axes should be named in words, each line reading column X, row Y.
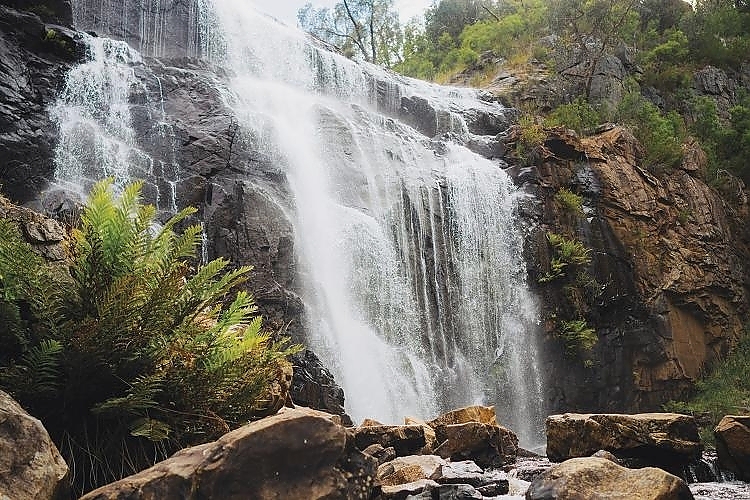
column 366, row 29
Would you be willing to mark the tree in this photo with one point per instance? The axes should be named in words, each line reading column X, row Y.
column 133, row 353
column 593, row 27
column 369, row 29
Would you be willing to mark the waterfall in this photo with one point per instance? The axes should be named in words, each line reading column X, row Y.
column 409, row 250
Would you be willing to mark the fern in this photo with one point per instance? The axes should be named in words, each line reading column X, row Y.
column 134, row 353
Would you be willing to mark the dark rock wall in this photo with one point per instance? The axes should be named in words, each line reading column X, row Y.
column 34, row 58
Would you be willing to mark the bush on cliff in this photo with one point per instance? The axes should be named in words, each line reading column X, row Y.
column 133, row 353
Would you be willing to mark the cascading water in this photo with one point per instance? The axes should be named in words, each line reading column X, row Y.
column 413, row 260
column 408, row 246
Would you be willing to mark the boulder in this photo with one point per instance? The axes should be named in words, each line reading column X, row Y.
column 472, row 433
column 592, row 478
column 404, row 470
column 733, row 445
column 402, row 491
column 313, row 385
column 31, row 468
column 487, row 445
column 405, row 439
column 481, row 414
column 663, row 439
column 449, row 492
column 429, row 435
column 382, row 455
column 296, row 454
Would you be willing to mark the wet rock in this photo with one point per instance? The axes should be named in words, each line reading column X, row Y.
column 314, row 386
column 664, row 439
column 481, row 414
column 31, row 468
column 405, row 439
column 402, row 491
column 733, row 445
column 588, row 478
column 34, row 59
column 296, row 454
column 468, row 472
column 449, row 492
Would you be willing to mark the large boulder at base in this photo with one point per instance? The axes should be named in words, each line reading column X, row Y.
column 296, row 454
column 405, row 439
column 667, row 440
column 596, row 478
column 733, row 445
column 473, row 433
column 30, row 465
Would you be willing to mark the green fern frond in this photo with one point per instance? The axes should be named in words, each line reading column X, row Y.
column 150, row 428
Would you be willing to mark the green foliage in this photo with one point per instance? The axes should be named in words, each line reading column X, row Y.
column 661, row 135
column 569, row 201
column 577, row 335
column 567, row 253
column 531, row 136
column 578, row 115
column 664, row 65
column 727, row 144
column 718, row 32
column 368, row 29
column 723, row 391
column 138, row 354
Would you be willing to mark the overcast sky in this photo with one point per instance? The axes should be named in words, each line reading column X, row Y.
column 286, row 10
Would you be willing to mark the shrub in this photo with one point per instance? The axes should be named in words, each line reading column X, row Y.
column 661, row 135
column 134, row 353
column 531, row 136
column 569, row 201
column 723, row 391
column 567, row 253
column 578, row 115
column 577, row 335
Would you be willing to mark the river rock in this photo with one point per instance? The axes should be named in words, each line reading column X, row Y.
column 382, row 455
column 449, row 492
column 405, row 439
column 296, row 454
column 664, row 439
column 429, row 435
column 481, row 414
column 408, row 469
column 595, row 478
column 31, row 468
column 733, row 445
column 402, row 491
column 472, row 433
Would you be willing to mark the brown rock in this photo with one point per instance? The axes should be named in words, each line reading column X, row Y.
column 487, row 445
column 596, row 478
column 666, row 439
column 429, row 435
column 481, row 414
column 297, row 454
column 733, row 445
column 404, row 470
column 401, row 491
column 31, row 468
column 382, row 455
column 405, row 439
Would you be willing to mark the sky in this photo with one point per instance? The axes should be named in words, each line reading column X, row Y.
column 286, row 10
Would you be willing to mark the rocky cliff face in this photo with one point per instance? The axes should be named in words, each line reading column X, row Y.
column 666, row 290
column 668, row 287
column 34, row 58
